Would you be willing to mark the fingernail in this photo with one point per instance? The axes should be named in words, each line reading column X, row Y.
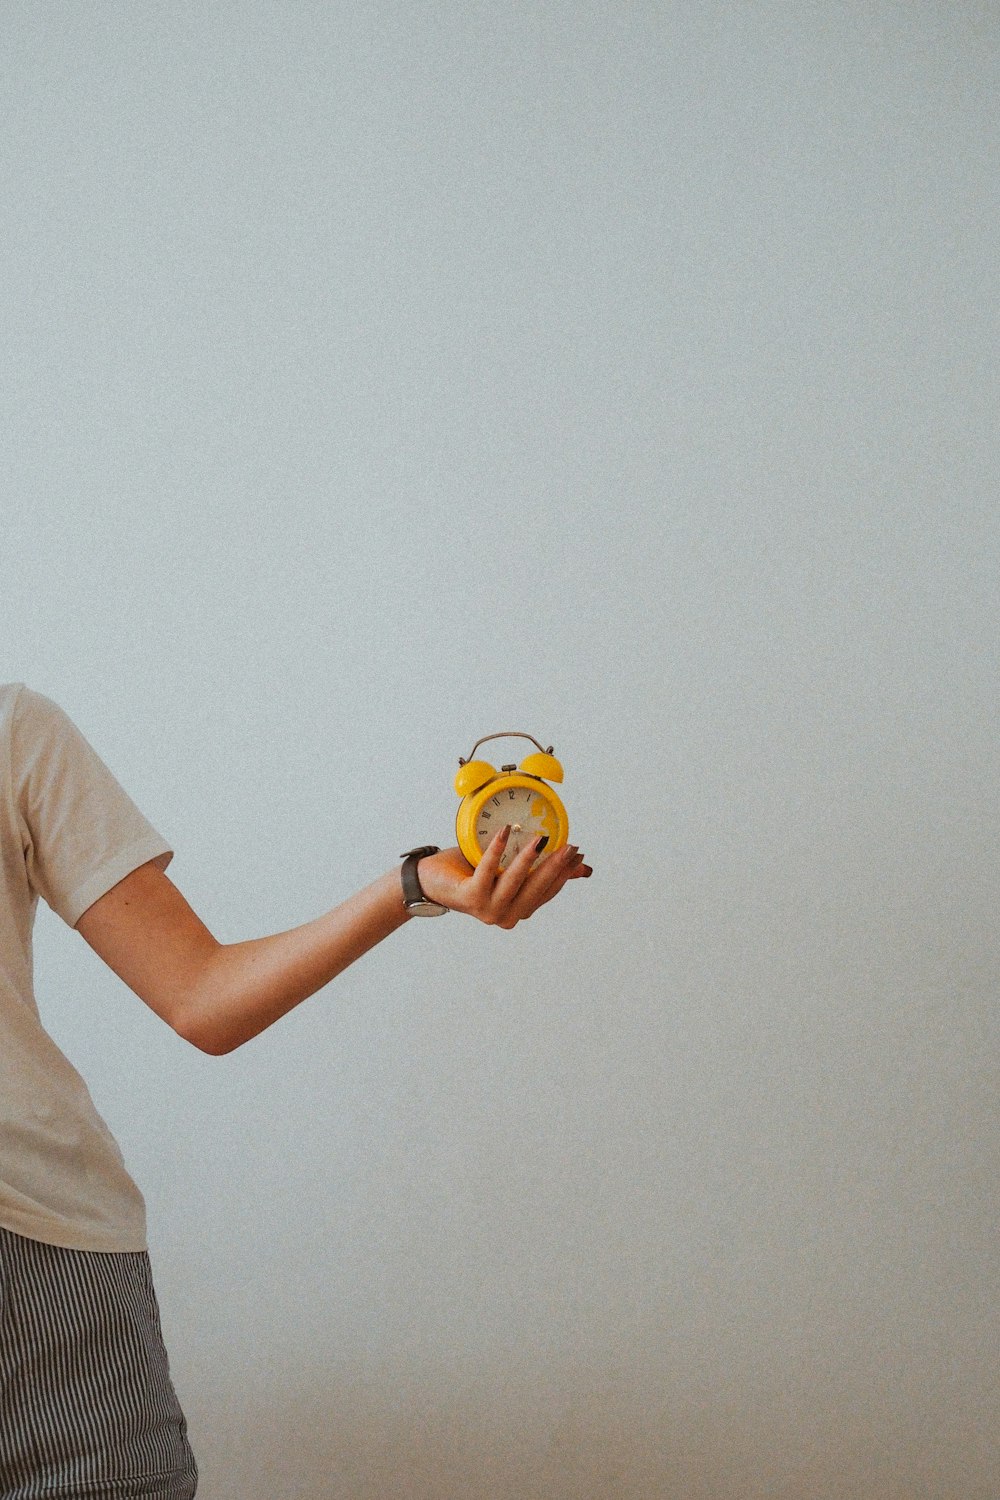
column 505, row 832
column 540, row 843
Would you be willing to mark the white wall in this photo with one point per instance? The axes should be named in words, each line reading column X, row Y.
column 377, row 377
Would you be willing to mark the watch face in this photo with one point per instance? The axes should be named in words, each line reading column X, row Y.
column 529, row 812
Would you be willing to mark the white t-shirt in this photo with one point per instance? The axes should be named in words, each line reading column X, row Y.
column 68, row 833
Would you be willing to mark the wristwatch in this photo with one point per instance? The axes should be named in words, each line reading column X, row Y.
column 414, row 900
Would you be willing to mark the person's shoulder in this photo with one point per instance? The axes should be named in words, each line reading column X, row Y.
column 11, row 694
column 31, row 712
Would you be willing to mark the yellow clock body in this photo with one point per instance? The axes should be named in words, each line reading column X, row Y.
column 519, row 795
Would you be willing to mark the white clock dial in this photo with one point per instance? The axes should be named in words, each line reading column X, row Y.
column 528, row 813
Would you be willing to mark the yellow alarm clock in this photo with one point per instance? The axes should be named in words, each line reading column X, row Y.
column 518, row 795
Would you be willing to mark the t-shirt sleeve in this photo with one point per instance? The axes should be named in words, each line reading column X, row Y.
column 81, row 831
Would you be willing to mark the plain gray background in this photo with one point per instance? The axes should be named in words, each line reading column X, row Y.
column 377, row 377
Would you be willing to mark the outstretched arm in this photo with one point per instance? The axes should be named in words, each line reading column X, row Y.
column 220, row 995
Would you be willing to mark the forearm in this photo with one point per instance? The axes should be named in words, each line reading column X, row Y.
column 245, row 987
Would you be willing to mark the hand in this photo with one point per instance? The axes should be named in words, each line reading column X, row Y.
column 500, row 898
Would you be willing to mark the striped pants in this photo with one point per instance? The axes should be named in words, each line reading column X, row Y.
column 87, row 1408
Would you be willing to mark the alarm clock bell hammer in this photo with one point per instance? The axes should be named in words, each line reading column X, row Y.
column 519, row 795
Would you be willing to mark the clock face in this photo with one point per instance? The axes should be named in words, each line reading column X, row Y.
column 529, row 812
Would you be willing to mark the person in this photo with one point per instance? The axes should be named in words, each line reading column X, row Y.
column 87, row 1402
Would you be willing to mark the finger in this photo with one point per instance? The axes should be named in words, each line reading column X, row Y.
column 486, row 870
column 517, row 872
column 575, row 868
column 564, row 864
column 518, row 896
column 560, row 867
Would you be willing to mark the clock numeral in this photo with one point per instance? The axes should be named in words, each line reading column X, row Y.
column 511, row 794
column 487, row 815
column 496, row 799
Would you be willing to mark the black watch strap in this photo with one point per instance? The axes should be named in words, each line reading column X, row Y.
column 413, row 897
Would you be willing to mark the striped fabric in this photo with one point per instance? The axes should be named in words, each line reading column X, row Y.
column 87, row 1408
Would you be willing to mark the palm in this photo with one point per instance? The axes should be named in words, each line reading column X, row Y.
column 442, row 875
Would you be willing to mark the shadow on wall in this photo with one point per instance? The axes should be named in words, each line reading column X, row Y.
column 371, row 1441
